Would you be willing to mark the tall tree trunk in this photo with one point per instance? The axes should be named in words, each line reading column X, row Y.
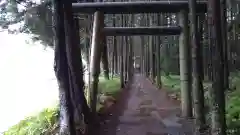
column 126, row 44
column 67, row 125
column 115, row 54
column 185, row 66
column 166, row 53
column 158, row 53
column 104, row 58
column 121, row 45
column 158, row 63
column 142, row 56
column 130, row 45
column 150, row 47
column 154, row 59
column 126, row 55
column 114, row 72
column 73, row 52
column 225, row 44
column 218, row 97
column 130, row 59
column 198, row 92
column 206, row 48
column 115, row 57
column 200, row 24
column 147, row 59
column 148, row 70
column 210, row 51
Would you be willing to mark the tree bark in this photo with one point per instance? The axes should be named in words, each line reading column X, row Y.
column 198, row 92
column 115, row 54
column 158, row 63
column 210, row 51
column 126, row 44
column 218, row 97
column 185, row 69
column 130, row 59
column 225, row 44
column 67, row 125
column 150, row 47
column 75, row 65
column 104, row 58
column 200, row 22
column 122, row 55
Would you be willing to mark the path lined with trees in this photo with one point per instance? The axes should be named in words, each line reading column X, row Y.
column 145, row 110
column 196, row 40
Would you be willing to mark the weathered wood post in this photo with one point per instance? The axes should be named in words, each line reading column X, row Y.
column 185, row 65
column 95, row 59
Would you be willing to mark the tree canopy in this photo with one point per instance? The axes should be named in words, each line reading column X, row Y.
column 28, row 16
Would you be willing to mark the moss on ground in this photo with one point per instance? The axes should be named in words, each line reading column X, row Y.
column 46, row 122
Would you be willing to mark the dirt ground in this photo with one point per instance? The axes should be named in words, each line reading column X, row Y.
column 143, row 109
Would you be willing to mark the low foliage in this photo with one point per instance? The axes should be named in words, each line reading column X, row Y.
column 233, row 105
column 110, row 87
column 172, row 84
column 46, row 122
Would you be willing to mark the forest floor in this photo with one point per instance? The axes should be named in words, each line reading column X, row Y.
column 143, row 109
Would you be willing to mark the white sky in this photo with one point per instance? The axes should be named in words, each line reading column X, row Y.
column 27, row 79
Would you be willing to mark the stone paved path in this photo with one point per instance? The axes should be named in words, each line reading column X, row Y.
column 145, row 110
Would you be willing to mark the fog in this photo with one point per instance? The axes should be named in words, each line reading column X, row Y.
column 27, row 79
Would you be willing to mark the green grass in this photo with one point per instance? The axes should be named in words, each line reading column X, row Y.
column 110, row 87
column 172, row 84
column 46, row 122
column 233, row 104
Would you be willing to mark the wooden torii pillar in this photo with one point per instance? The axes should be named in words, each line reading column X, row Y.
column 96, row 47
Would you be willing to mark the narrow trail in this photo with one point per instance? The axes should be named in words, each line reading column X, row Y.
column 145, row 110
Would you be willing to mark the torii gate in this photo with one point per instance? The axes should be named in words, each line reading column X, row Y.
column 100, row 32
